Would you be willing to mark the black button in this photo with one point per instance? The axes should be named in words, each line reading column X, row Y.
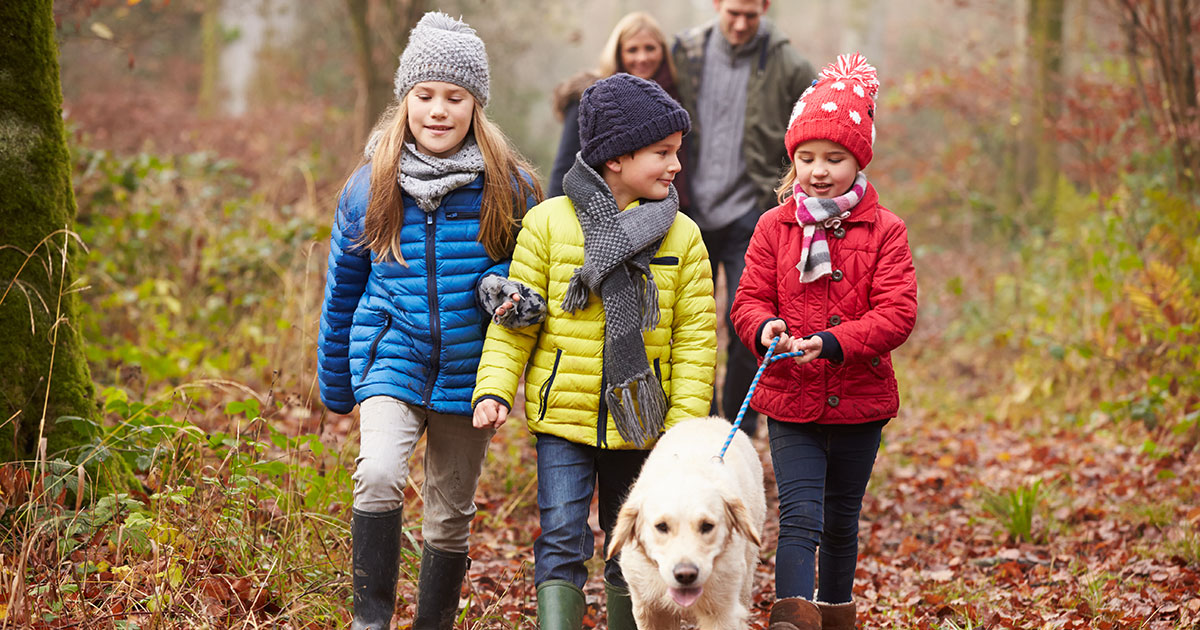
column 834, row 320
column 837, row 275
column 833, row 401
column 874, row 361
column 839, row 233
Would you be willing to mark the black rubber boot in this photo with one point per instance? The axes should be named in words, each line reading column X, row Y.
column 619, row 608
column 438, row 587
column 375, row 537
column 560, row 605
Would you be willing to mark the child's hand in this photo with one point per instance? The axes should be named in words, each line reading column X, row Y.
column 508, row 305
column 811, row 347
column 776, row 328
column 489, row 413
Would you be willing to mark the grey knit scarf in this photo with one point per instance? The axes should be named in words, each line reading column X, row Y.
column 617, row 248
column 428, row 179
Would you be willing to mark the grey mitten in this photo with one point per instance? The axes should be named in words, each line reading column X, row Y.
column 495, row 290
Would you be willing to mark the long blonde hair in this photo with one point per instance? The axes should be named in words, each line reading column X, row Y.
column 508, row 181
column 610, row 58
column 788, row 183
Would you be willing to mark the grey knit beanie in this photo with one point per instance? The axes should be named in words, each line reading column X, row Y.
column 623, row 113
column 441, row 48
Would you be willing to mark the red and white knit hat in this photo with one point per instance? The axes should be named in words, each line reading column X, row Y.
column 840, row 106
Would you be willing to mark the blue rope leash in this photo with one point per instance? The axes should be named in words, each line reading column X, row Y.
column 768, row 359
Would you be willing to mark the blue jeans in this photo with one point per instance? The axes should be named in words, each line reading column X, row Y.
column 567, row 475
column 822, row 473
column 727, row 247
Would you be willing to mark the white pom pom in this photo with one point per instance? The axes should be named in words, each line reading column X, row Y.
column 829, row 106
column 853, row 68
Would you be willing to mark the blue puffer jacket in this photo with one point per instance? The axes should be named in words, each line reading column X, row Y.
column 405, row 332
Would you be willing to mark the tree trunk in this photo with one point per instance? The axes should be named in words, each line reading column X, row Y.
column 43, row 372
column 365, row 63
column 378, row 53
column 210, row 43
column 1046, row 61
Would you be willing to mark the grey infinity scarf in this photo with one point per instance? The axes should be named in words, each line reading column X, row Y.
column 428, row 179
column 617, row 247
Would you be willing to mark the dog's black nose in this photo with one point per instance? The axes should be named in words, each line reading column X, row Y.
column 686, row 574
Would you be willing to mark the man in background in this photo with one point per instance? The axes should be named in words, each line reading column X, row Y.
column 738, row 78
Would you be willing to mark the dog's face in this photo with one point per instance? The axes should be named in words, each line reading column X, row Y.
column 683, row 530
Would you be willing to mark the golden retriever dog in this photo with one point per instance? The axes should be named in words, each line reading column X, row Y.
column 690, row 530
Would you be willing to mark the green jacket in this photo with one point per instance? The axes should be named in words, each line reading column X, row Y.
column 562, row 357
column 780, row 75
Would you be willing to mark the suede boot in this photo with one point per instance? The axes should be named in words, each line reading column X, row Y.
column 837, row 616
column 794, row 613
column 438, row 588
column 560, row 605
column 375, row 539
column 619, row 607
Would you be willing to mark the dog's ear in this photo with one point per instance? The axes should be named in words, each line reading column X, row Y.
column 739, row 516
column 625, row 531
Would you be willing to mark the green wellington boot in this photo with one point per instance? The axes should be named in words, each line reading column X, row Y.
column 560, row 606
column 620, row 608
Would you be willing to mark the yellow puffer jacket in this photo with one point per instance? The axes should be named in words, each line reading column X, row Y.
column 563, row 379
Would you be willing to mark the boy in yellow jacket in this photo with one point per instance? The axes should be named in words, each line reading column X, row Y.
column 628, row 346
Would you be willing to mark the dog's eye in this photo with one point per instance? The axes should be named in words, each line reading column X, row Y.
column 706, row 527
column 663, row 527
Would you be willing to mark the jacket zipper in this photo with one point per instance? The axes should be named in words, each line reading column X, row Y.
column 602, row 416
column 387, row 323
column 435, row 324
column 544, row 394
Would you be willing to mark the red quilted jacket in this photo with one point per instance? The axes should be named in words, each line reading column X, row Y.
column 869, row 303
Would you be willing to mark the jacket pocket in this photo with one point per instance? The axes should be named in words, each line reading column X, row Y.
column 387, row 324
column 665, row 260
column 544, row 392
column 461, row 215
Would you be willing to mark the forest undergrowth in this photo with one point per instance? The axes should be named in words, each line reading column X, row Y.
column 1042, row 472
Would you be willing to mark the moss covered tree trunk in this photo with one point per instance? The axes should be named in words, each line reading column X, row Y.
column 380, row 32
column 1046, row 58
column 43, row 373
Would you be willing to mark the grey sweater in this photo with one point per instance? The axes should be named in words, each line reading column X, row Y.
column 722, row 191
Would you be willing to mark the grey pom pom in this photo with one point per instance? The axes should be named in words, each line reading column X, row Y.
column 441, row 21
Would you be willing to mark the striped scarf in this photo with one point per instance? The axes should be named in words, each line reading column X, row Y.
column 815, row 216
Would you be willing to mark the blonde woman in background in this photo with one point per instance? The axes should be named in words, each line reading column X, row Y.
column 637, row 45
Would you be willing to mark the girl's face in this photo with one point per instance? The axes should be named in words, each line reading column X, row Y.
column 439, row 117
column 641, row 55
column 824, row 168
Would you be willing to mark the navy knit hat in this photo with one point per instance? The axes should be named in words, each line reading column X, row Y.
column 623, row 113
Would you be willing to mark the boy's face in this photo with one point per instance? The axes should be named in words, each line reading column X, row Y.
column 648, row 172
column 824, row 168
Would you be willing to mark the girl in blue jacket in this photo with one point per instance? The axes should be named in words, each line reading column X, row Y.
column 424, row 232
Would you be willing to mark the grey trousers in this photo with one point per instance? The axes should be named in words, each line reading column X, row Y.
column 454, row 455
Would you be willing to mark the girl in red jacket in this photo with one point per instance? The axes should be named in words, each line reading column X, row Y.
column 829, row 272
